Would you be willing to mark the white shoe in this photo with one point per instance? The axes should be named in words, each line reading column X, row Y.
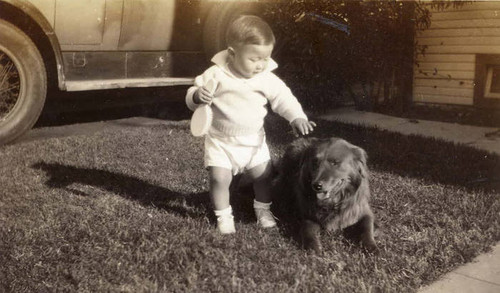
column 225, row 220
column 225, row 224
column 265, row 218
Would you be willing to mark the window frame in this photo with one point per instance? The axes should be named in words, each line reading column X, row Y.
column 482, row 96
column 489, row 80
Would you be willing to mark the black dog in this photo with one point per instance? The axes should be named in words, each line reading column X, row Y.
column 329, row 182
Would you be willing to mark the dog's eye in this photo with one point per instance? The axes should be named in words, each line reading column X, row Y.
column 333, row 162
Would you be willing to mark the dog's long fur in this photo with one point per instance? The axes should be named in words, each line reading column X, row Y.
column 329, row 182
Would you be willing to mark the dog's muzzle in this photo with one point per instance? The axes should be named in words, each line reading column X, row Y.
column 322, row 194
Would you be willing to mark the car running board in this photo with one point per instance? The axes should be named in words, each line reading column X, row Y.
column 84, row 85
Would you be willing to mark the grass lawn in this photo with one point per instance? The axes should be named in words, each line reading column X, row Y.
column 128, row 210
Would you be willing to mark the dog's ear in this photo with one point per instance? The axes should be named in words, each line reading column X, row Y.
column 298, row 148
column 360, row 154
column 296, row 155
column 361, row 158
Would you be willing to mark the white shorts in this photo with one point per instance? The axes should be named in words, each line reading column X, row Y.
column 236, row 153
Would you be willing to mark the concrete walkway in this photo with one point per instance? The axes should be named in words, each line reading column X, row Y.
column 485, row 138
column 482, row 275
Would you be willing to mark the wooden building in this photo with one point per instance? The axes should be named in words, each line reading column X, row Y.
column 461, row 64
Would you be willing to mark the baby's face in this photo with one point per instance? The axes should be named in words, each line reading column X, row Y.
column 250, row 60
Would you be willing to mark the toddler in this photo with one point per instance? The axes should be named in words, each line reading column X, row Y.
column 236, row 141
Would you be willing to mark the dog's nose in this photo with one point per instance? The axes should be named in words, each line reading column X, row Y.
column 317, row 186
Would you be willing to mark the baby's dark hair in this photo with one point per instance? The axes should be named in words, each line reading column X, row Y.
column 249, row 30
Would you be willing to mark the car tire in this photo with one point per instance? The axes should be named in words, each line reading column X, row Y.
column 23, row 82
column 217, row 21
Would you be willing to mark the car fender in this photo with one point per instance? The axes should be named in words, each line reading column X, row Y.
column 34, row 13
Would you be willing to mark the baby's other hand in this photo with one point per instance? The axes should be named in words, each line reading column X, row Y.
column 302, row 126
column 203, row 96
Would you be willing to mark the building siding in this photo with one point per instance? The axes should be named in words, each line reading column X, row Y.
column 445, row 73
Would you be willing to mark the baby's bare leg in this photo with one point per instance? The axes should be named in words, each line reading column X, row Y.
column 220, row 179
column 261, row 178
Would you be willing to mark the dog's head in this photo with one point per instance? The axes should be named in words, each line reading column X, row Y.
column 332, row 169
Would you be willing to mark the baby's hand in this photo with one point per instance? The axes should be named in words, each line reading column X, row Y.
column 302, row 126
column 203, row 96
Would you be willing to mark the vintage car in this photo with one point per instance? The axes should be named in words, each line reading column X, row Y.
column 101, row 44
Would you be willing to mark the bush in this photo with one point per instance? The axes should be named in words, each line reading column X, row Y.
column 372, row 64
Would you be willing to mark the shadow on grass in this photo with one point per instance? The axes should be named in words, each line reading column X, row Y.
column 147, row 194
column 66, row 177
column 414, row 156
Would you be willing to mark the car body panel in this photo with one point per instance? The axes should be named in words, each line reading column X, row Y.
column 119, row 40
column 84, row 25
column 95, row 28
column 47, row 8
column 84, row 28
column 147, row 25
column 124, row 25
column 122, row 65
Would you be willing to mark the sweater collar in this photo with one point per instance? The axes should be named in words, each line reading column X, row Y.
column 220, row 59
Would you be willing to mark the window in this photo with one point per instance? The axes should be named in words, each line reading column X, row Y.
column 492, row 84
column 487, row 81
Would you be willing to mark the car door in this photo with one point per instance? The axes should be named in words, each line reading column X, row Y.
column 88, row 25
column 147, row 25
column 163, row 38
column 84, row 25
column 161, row 25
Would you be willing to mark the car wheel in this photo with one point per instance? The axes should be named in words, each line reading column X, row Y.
column 217, row 21
column 23, row 82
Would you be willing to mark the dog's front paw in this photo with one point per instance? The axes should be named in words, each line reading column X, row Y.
column 370, row 246
column 312, row 244
column 310, row 235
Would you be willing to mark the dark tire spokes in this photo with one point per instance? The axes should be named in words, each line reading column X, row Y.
column 9, row 85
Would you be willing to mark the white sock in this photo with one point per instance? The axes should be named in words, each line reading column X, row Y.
column 224, row 212
column 261, row 205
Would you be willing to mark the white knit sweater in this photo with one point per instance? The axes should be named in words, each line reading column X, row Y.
column 239, row 104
